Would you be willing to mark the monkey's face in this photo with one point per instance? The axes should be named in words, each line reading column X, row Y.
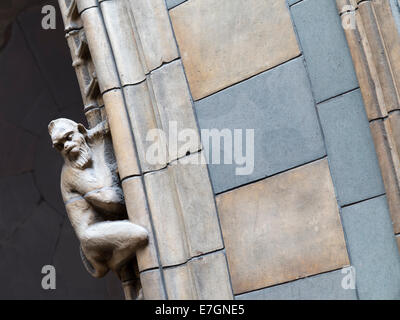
column 71, row 143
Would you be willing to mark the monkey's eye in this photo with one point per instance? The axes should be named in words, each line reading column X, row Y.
column 59, row 146
column 69, row 137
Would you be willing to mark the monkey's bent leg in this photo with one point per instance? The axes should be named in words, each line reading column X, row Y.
column 120, row 238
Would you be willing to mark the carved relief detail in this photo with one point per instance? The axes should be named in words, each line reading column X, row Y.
column 375, row 48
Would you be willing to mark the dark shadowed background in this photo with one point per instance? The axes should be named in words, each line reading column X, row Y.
column 37, row 84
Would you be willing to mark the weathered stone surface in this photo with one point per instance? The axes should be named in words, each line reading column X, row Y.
column 325, row 48
column 204, row 278
column 151, row 23
column 167, row 221
column 352, row 157
column 383, row 133
column 198, row 207
column 211, row 277
column 142, row 115
column 381, row 51
column 174, row 106
column 391, row 40
column 100, row 49
column 123, row 42
column 220, row 49
column 373, row 250
column 162, row 102
column 326, row 286
column 371, row 89
column 183, row 211
column 279, row 106
column 121, row 132
column 152, row 285
column 282, row 228
column 84, row 4
column 138, row 213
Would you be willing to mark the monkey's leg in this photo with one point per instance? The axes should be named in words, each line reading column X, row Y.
column 120, row 238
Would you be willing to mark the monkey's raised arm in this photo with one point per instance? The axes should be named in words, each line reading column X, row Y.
column 99, row 130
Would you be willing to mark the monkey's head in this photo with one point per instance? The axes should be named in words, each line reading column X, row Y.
column 70, row 139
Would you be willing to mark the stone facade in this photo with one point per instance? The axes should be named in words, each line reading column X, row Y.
column 317, row 81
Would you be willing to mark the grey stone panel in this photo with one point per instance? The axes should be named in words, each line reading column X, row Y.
column 325, row 48
column 373, row 249
column 351, row 151
column 326, row 286
column 278, row 105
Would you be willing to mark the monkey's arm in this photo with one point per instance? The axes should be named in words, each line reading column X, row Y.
column 107, row 200
column 99, row 130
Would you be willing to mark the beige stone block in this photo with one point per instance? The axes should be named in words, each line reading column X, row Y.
column 100, row 49
column 211, row 277
column 160, row 110
column 391, row 37
column 152, row 285
column 179, row 283
column 196, row 199
column 174, row 107
column 167, row 218
column 138, row 213
column 378, row 55
column 226, row 41
column 183, row 211
column 282, row 228
column 125, row 152
column 144, row 124
column 204, row 278
column 367, row 75
column 153, row 31
column 123, row 42
column 390, row 167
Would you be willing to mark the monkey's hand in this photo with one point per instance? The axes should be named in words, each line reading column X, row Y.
column 100, row 130
column 108, row 200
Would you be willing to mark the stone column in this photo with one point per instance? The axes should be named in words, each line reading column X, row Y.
column 375, row 47
column 135, row 65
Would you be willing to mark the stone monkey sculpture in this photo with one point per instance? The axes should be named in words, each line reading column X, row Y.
column 94, row 199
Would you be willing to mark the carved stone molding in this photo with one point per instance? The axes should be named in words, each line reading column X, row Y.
column 375, row 47
column 135, row 68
